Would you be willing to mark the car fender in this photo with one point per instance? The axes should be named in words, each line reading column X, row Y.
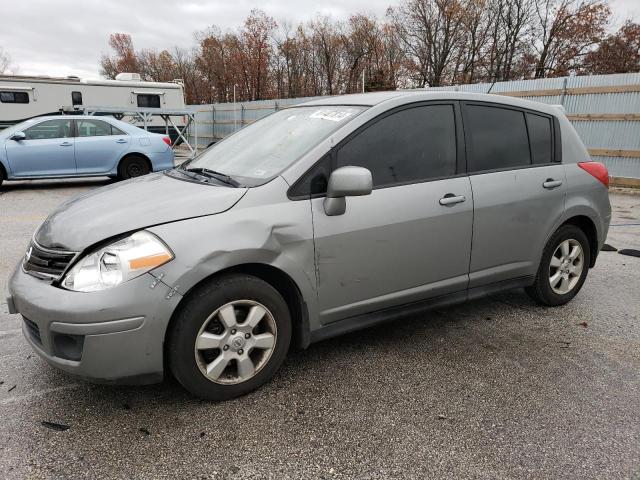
column 255, row 231
column 585, row 197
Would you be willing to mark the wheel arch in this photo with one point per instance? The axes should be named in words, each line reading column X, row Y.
column 135, row 154
column 278, row 279
column 588, row 226
column 4, row 174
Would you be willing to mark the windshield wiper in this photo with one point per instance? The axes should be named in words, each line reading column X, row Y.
column 213, row 174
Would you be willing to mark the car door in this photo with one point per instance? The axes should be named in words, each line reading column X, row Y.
column 47, row 150
column 518, row 189
column 99, row 146
column 411, row 238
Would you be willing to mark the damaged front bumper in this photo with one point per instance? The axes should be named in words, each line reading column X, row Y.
column 113, row 336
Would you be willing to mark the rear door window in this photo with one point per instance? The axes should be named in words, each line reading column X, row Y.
column 148, row 101
column 496, row 138
column 96, row 128
column 408, row 146
column 540, row 138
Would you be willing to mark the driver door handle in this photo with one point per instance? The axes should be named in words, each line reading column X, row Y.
column 551, row 183
column 451, row 199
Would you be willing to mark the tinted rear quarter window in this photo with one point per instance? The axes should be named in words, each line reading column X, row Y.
column 540, row 138
column 496, row 137
column 410, row 145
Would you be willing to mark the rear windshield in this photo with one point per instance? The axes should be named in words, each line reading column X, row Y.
column 262, row 150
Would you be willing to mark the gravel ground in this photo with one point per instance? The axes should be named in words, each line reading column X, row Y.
column 498, row 387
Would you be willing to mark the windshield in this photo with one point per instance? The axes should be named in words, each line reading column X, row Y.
column 262, row 150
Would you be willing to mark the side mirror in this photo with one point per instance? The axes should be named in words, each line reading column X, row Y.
column 346, row 182
column 18, row 136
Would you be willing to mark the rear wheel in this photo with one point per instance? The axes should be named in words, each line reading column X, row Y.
column 563, row 268
column 133, row 166
column 230, row 337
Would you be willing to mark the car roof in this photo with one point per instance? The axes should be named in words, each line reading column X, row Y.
column 73, row 117
column 410, row 96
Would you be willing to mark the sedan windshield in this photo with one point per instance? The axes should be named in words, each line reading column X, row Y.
column 259, row 152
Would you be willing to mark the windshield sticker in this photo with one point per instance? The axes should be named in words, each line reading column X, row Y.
column 260, row 173
column 333, row 115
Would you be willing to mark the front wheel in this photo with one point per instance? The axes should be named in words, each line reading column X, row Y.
column 563, row 268
column 229, row 338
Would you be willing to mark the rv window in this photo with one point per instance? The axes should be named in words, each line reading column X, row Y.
column 76, row 98
column 148, row 101
column 14, row 97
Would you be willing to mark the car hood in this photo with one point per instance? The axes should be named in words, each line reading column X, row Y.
column 131, row 205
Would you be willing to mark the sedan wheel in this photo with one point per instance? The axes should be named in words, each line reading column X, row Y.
column 132, row 166
column 235, row 342
column 563, row 267
column 229, row 336
column 566, row 266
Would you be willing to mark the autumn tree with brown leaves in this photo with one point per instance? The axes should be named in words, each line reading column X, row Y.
column 418, row 43
column 617, row 53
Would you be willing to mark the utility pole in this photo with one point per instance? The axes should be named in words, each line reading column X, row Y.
column 235, row 113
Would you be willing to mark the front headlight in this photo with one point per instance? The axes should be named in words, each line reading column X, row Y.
column 123, row 260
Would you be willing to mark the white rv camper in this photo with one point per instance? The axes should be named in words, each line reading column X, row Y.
column 24, row 97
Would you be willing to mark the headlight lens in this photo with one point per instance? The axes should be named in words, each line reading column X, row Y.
column 116, row 263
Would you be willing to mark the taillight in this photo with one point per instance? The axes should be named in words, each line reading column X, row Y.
column 167, row 140
column 597, row 170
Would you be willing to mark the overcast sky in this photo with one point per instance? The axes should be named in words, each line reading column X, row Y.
column 67, row 37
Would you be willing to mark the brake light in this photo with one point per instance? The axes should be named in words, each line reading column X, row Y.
column 597, row 170
column 167, row 140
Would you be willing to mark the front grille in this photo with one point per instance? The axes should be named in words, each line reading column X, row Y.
column 33, row 329
column 44, row 262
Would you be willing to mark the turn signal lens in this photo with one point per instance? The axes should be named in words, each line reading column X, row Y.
column 597, row 170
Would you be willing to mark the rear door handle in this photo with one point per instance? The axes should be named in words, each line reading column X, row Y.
column 121, row 140
column 66, row 144
column 551, row 183
column 451, row 199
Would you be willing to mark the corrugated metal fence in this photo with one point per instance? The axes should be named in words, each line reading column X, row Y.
column 604, row 109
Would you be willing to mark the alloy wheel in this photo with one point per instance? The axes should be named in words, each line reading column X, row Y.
column 235, row 342
column 565, row 269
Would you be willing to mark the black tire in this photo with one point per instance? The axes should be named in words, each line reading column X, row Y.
column 193, row 315
column 541, row 291
column 133, row 166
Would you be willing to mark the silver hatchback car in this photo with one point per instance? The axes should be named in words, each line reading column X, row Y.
column 315, row 221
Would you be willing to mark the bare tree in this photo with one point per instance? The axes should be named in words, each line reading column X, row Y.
column 418, row 43
column 430, row 30
column 566, row 29
column 5, row 61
